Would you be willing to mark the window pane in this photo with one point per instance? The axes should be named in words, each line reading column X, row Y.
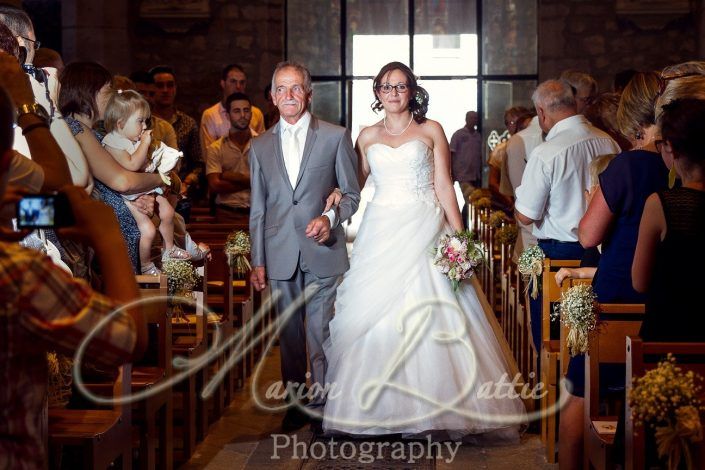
column 377, row 34
column 509, row 37
column 313, row 35
column 498, row 96
column 449, row 100
column 445, row 39
column 326, row 101
column 362, row 114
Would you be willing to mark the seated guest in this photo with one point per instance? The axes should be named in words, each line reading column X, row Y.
column 552, row 191
column 85, row 90
column 143, row 83
column 227, row 163
column 670, row 251
column 45, row 309
column 215, row 121
column 612, row 220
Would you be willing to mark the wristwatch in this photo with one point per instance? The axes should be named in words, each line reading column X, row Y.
column 33, row 108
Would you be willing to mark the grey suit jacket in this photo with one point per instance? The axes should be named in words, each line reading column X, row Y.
column 279, row 213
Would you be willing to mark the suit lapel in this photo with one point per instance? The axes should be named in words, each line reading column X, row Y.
column 310, row 140
column 279, row 155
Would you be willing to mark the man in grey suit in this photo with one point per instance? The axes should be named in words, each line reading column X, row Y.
column 294, row 166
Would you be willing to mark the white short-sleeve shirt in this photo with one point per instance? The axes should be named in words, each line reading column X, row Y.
column 552, row 190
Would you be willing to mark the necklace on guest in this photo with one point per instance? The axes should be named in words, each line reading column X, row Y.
column 384, row 121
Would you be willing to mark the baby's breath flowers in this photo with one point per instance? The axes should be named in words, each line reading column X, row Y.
column 181, row 279
column 237, row 248
column 531, row 266
column 666, row 399
column 577, row 310
column 60, row 379
column 483, row 203
column 478, row 194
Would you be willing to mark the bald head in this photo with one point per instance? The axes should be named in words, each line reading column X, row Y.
column 554, row 101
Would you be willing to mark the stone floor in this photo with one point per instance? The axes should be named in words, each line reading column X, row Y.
column 246, row 437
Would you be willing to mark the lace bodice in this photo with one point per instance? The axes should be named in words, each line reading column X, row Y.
column 402, row 174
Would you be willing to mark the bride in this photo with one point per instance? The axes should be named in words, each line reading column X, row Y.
column 406, row 354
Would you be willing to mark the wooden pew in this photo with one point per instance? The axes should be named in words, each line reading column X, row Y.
column 104, row 436
column 606, row 346
column 550, row 352
column 643, row 356
column 154, row 415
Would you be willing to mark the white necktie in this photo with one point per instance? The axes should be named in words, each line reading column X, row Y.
column 293, row 155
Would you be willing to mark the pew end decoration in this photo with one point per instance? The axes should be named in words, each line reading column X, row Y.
column 578, row 311
column 478, row 194
column 531, row 266
column 497, row 218
column 457, row 255
column 181, row 279
column 237, row 249
column 483, row 203
column 60, row 379
column 507, row 235
column 666, row 398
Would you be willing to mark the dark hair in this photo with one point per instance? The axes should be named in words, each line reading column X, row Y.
column 16, row 19
column 418, row 99
column 621, row 79
column 161, row 69
column 234, row 97
column 8, row 42
column 7, row 119
column 228, row 68
column 142, row 76
column 80, row 82
column 683, row 125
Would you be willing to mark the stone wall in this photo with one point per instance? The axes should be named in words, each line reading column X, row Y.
column 250, row 33
column 590, row 36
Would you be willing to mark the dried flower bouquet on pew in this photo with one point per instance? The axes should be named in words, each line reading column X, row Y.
column 181, row 279
column 577, row 310
column 237, row 248
column 531, row 266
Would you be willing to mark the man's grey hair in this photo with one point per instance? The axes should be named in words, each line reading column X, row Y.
column 553, row 95
column 580, row 81
column 16, row 20
column 296, row 66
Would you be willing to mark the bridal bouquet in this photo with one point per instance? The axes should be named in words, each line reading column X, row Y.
column 457, row 255
column 666, row 398
column 577, row 310
column 237, row 248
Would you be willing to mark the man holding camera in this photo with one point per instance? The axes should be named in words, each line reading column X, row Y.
column 42, row 308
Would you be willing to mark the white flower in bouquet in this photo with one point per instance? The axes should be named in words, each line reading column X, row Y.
column 577, row 310
column 531, row 266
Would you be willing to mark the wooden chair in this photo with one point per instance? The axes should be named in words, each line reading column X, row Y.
column 104, row 436
column 642, row 356
column 606, row 346
column 550, row 353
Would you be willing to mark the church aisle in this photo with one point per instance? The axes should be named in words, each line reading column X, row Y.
column 249, row 438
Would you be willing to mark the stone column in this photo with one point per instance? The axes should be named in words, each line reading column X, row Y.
column 97, row 30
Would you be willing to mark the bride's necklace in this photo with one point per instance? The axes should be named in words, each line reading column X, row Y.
column 384, row 121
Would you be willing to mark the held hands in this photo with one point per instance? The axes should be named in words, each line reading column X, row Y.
column 145, row 204
column 258, row 277
column 319, row 229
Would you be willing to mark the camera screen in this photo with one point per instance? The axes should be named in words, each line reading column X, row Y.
column 36, row 212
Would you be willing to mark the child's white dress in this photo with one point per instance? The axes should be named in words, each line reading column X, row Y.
column 162, row 160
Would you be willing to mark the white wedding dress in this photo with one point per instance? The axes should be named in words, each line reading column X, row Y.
column 406, row 353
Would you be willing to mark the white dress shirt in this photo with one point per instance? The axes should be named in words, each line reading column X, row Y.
column 293, row 138
column 552, row 190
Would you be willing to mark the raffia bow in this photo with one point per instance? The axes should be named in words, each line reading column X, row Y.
column 674, row 441
column 536, row 270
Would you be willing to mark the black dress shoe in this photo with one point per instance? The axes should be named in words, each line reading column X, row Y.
column 294, row 419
